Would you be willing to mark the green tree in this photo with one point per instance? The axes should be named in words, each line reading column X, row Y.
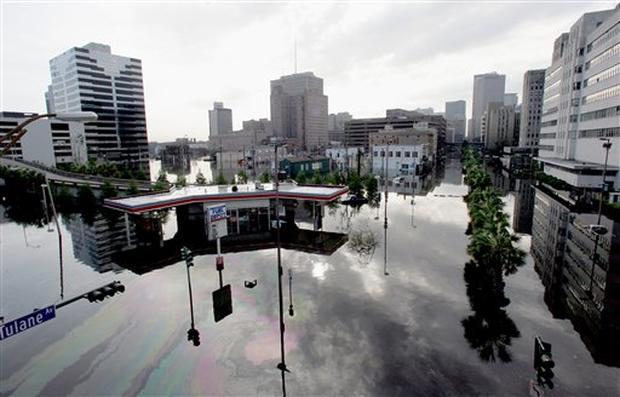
column 300, row 178
column 355, row 184
column 86, row 198
column 200, row 179
column 160, row 185
column 242, row 177
column 133, row 188
column 126, row 173
column 370, row 185
column 220, row 180
column 181, row 181
column 317, row 178
column 163, row 176
column 141, row 175
column 108, row 190
column 265, row 177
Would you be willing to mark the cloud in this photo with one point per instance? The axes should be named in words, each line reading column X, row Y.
column 372, row 56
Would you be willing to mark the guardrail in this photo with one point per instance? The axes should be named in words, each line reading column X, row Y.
column 83, row 178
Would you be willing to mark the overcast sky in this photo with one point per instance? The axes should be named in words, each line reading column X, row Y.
column 372, row 56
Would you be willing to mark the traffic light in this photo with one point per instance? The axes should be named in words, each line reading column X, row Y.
column 108, row 290
column 187, row 256
column 543, row 362
column 194, row 336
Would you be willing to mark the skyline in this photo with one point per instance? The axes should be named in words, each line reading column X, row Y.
column 358, row 50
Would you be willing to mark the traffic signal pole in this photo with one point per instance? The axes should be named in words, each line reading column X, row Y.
column 112, row 288
column 192, row 334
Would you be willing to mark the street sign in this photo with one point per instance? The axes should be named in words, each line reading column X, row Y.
column 222, row 302
column 26, row 322
column 217, row 213
column 217, row 224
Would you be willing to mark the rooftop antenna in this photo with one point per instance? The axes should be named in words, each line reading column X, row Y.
column 295, row 54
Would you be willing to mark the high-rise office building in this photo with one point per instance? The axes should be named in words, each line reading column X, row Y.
column 335, row 126
column 574, row 235
column 220, row 120
column 91, row 78
column 498, row 126
column 488, row 87
column 511, row 99
column 456, row 117
column 580, row 104
column 299, row 110
column 50, row 142
column 531, row 108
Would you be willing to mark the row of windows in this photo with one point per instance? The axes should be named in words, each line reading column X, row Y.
column 551, row 98
column 603, row 56
column 604, row 75
column 615, row 30
column 95, row 82
column 89, row 66
column 602, row 95
column 601, row 114
column 96, row 89
column 398, row 154
column 551, row 74
column 600, row 133
column 550, row 135
column 549, row 123
column 552, row 86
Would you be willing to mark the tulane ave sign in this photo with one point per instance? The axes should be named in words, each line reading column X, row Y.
column 29, row 321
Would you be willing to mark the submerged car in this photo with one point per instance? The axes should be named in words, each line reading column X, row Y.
column 354, row 199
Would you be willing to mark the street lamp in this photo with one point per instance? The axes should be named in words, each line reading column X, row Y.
column 606, row 146
column 16, row 133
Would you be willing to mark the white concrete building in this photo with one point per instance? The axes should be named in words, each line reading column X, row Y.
column 581, row 102
column 489, row 87
column 399, row 159
column 48, row 141
column 91, row 78
column 220, row 120
column 341, row 156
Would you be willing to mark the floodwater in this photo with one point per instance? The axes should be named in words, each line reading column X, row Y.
column 379, row 316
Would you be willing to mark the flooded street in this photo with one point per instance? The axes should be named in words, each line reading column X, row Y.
column 378, row 316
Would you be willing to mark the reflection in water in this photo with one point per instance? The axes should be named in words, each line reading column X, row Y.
column 363, row 242
column 96, row 241
column 488, row 330
column 352, row 334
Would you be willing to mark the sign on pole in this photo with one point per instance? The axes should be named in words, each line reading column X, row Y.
column 222, row 302
column 26, row 322
column 217, row 226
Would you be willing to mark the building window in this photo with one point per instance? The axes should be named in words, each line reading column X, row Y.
column 390, row 154
column 397, row 154
column 407, row 154
column 376, row 153
column 415, row 154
